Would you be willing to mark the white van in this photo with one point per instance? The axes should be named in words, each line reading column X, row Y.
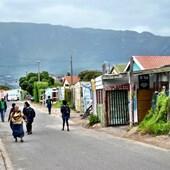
column 13, row 95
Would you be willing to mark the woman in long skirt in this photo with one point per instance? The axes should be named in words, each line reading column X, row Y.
column 17, row 119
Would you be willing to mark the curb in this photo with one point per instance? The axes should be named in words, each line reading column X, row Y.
column 5, row 157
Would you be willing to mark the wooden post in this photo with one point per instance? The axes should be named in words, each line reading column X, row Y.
column 131, row 84
column 71, row 87
column 105, row 108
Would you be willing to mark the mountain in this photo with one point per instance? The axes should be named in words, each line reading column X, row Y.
column 22, row 44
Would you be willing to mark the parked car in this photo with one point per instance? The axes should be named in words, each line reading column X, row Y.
column 29, row 97
column 12, row 97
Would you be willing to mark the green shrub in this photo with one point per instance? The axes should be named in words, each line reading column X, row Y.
column 93, row 119
column 39, row 87
column 155, row 121
column 67, row 95
column 58, row 104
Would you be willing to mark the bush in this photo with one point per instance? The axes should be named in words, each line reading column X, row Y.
column 39, row 87
column 156, row 121
column 58, row 104
column 93, row 119
column 67, row 95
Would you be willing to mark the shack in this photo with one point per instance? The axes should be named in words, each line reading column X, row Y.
column 113, row 93
column 83, row 96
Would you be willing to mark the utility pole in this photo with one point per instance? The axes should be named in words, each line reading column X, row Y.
column 131, row 84
column 38, row 71
column 71, row 74
column 71, row 69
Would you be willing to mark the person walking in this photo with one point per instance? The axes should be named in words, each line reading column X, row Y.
column 29, row 114
column 65, row 111
column 17, row 119
column 3, row 108
column 49, row 103
column 11, row 111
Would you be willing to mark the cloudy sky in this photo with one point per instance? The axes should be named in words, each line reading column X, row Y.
column 138, row 15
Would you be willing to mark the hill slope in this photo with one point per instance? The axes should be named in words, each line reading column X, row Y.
column 22, row 44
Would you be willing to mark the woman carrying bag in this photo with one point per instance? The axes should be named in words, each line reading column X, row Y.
column 17, row 119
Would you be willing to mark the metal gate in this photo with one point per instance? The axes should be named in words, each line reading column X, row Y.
column 117, row 107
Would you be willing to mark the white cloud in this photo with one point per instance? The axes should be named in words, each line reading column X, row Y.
column 140, row 15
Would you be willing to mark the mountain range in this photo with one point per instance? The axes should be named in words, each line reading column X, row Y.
column 23, row 44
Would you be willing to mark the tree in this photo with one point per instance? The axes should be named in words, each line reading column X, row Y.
column 3, row 87
column 44, row 75
column 87, row 75
column 27, row 82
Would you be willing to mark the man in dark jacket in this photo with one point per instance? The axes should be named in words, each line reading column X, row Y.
column 49, row 103
column 65, row 111
column 29, row 114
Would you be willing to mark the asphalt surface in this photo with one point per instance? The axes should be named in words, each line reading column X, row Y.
column 49, row 148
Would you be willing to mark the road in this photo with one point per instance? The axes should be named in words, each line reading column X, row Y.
column 49, row 148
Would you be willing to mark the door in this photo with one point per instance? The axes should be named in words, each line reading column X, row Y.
column 117, row 107
column 144, row 100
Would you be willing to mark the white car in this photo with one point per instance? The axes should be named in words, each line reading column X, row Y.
column 13, row 97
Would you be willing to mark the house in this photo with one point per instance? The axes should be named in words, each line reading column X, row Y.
column 113, row 91
column 82, row 96
column 53, row 93
column 61, row 93
column 118, row 68
column 150, row 74
column 70, row 80
column 148, row 62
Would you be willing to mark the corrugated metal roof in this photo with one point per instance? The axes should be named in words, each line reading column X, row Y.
column 119, row 68
column 151, row 62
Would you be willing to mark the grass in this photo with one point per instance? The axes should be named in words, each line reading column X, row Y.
column 57, row 104
column 93, row 119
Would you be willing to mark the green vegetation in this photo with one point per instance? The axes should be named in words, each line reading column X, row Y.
column 27, row 82
column 39, row 88
column 156, row 121
column 58, row 84
column 3, row 87
column 87, row 75
column 57, row 104
column 68, row 97
column 93, row 119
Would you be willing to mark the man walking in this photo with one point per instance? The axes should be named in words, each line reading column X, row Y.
column 65, row 111
column 29, row 114
column 49, row 103
column 3, row 108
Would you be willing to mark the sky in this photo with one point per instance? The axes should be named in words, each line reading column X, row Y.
column 137, row 15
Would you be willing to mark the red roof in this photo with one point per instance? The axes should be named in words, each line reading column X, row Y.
column 151, row 62
column 75, row 79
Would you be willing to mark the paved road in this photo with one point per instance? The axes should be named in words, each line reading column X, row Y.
column 51, row 149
